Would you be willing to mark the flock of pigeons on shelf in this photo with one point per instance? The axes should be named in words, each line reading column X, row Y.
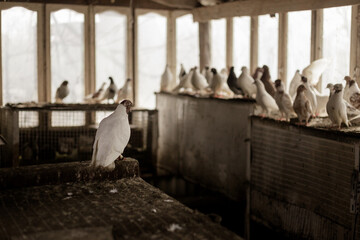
column 303, row 100
column 101, row 94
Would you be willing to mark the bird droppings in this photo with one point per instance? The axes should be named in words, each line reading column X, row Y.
column 114, row 190
column 126, row 217
column 173, row 227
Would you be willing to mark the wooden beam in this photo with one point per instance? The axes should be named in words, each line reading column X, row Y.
column 205, row 44
column 229, row 42
column 41, row 51
column 317, row 21
column 282, row 48
column 171, row 44
column 133, row 24
column 1, row 79
column 355, row 43
column 316, row 34
column 47, row 85
column 183, row 4
column 90, row 85
column 260, row 7
column 140, row 4
column 254, row 43
column 88, row 17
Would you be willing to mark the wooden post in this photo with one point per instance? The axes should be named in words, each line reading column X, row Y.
column 229, row 42
column 133, row 24
column 171, row 44
column 90, row 73
column 254, row 43
column 11, row 134
column 317, row 38
column 41, row 51
column 355, row 43
column 1, row 85
column 205, row 44
column 283, row 41
column 47, row 85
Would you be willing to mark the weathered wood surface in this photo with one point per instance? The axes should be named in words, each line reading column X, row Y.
column 301, row 179
column 260, row 7
column 45, row 174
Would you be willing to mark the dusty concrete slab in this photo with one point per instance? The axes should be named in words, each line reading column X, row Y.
column 44, row 174
column 132, row 208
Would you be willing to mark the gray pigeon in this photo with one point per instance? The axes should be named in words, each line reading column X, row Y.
column 62, row 92
column 110, row 91
column 266, row 79
column 231, row 81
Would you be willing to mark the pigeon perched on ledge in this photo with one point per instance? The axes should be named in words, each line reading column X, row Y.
column 111, row 137
column 62, row 92
column 336, row 107
column 110, row 91
column 302, row 105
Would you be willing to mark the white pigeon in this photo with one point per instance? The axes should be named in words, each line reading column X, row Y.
column 62, row 92
column 182, row 72
column 354, row 94
column 166, row 80
column 208, row 74
column 198, row 80
column 263, row 98
column 125, row 92
column 321, row 100
column 96, row 96
column 352, row 112
column 110, row 91
column 111, row 137
column 246, row 83
column 216, row 83
column 294, row 84
column 346, row 89
column 314, row 70
column 336, row 107
column 301, row 105
column 310, row 94
column 283, row 100
column 185, row 83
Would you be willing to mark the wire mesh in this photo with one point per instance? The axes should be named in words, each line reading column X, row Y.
column 59, row 134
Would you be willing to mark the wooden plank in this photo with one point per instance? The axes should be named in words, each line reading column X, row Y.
column 47, row 85
column 205, row 44
column 317, row 19
column 355, row 43
column 229, row 42
column 134, row 45
column 260, row 7
column 254, row 43
column 41, row 51
column 171, row 44
column 1, row 85
column 283, row 43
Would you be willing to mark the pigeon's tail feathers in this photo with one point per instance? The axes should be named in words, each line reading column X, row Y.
column 353, row 118
column 95, row 150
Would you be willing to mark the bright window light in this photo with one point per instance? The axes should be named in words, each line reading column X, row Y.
column 241, row 55
column 187, row 42
column 110, row 45
column 336, row 44
column 67, row 53
column 19, row 48
column 299, row 42
column 151, row 56
column 218, row 44
column 268, row 43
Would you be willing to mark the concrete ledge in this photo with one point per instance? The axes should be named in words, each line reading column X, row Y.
column 65, row 172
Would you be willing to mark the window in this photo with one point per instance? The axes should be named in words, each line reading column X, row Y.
column 19, row 48
column 268, row 43
column 241, row 55
column 110, row 45
column 218, row 44
column 67, row 53
column 299, row 42
column 151, row 57
column 336, row 44
column 187, row 43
